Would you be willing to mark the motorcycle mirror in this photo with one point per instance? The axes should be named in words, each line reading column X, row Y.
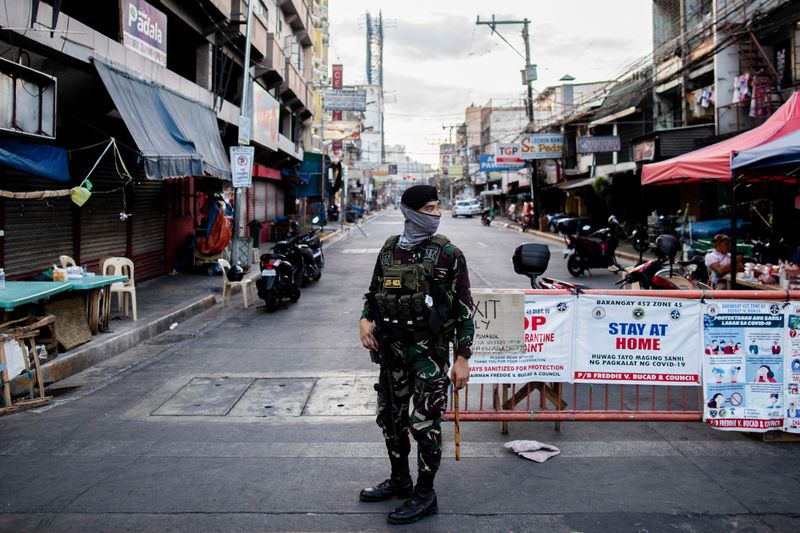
column 315, row 220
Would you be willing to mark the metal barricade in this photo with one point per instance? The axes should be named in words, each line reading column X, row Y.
column 557, row 402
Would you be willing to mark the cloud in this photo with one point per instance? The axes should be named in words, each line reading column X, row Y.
column 438, row 38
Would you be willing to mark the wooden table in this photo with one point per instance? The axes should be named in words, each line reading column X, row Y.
column 753, row 284
column 95, row 285
column 18, row 293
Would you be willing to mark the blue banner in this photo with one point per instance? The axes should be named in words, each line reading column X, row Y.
column 488, row 163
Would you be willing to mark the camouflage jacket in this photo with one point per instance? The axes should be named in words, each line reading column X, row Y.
column 451, row 272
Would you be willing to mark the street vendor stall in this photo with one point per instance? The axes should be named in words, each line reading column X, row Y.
column 713, row 163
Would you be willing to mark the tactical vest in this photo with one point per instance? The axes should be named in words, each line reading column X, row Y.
column 409, row 295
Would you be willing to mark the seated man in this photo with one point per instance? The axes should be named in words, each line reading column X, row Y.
column 718, row 261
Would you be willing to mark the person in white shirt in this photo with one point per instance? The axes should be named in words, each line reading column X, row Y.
column 718, row 261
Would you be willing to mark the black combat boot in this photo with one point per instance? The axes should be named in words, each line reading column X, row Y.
column 401, row 487
column 421, row 504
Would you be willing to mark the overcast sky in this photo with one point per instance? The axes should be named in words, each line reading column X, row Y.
column 438, row 61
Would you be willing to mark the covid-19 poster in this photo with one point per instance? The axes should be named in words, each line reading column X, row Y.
column 743, row 364
column 629, row 339
column 791, row 369
column 533, row 344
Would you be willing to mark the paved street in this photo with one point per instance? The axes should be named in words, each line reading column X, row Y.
column 242, row 421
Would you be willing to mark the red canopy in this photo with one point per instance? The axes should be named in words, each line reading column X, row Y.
column 714, row 162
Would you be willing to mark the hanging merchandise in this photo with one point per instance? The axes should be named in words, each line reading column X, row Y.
column 762, row 94
column 741, row 89
column 80, row 195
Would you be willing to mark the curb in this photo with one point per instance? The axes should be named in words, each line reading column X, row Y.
column 89, row 355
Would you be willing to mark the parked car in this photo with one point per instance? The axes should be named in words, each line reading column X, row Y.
column 466, row 208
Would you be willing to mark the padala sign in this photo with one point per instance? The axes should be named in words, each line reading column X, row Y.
column 144, row 30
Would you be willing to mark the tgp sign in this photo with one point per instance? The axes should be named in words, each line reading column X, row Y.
column 144, row 30
column 508, row 154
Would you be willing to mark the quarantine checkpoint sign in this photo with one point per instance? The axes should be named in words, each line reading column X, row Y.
column 628, row 339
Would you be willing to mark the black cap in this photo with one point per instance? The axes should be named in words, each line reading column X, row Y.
column 419, row 195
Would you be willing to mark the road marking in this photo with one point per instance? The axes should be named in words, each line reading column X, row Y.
column 373, row 449
column 482, row 244
column 361, row 250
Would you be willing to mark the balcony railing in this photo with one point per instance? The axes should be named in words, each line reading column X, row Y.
column 276, row 59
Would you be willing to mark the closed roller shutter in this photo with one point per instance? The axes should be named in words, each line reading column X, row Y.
column 260, row 200
column 149, row 229
column 275, row 200
column 103, row 234
column 36, row 231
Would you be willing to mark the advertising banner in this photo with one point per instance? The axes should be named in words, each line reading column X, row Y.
column 626, row 339
column 266, row 116
column 743, row 368
column 144, row 30
column 488, row 163
column 593, row 145
column 516, row 344
column 542, row 146
column 791, row 368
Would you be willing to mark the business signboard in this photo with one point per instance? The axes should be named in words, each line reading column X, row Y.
column 266, row 116
column 594, row 145
column 144, row 30
column 542, row 146
column 508, row 153
column 644, row 151
column 345, row 99
column 336, row 76
column 489, row 163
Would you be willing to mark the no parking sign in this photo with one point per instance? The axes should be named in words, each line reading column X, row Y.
column 242, row 165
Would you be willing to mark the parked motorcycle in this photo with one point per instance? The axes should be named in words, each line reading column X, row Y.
column 281, row 274
column 486, row 217
column 333, row 213
column 595, row 251
column 311, row 251
column 531, row 259
column 662, row 274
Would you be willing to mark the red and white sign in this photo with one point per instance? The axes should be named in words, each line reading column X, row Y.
column 508, row 154
column 337, row 76
column 637, row 340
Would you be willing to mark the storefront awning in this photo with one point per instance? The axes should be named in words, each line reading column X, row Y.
column 575, row 184
column 37, row 159
column 177, row 136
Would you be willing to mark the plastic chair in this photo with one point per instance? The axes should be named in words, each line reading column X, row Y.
column 66, row 261
column 227, row 286
column 126, row 290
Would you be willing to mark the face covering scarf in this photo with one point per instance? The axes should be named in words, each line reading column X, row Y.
column 418, row 227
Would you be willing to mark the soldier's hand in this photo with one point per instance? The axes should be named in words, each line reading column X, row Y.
column 460, row 373
column 368, row 340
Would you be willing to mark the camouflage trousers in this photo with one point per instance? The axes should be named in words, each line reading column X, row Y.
column 419, row 373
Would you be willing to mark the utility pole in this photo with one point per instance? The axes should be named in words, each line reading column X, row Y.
column 244, row 138
column 531, row 164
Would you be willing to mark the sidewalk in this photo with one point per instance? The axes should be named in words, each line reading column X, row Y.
column 161, row 302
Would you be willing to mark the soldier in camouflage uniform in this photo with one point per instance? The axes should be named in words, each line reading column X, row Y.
column 420, row 360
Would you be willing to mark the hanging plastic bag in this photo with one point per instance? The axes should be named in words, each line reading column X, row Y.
column 80, row 195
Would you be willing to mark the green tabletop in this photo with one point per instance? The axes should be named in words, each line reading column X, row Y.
column 94, row 282
column 19, row 293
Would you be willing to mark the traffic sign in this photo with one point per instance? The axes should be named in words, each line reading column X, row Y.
column 242, row 165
